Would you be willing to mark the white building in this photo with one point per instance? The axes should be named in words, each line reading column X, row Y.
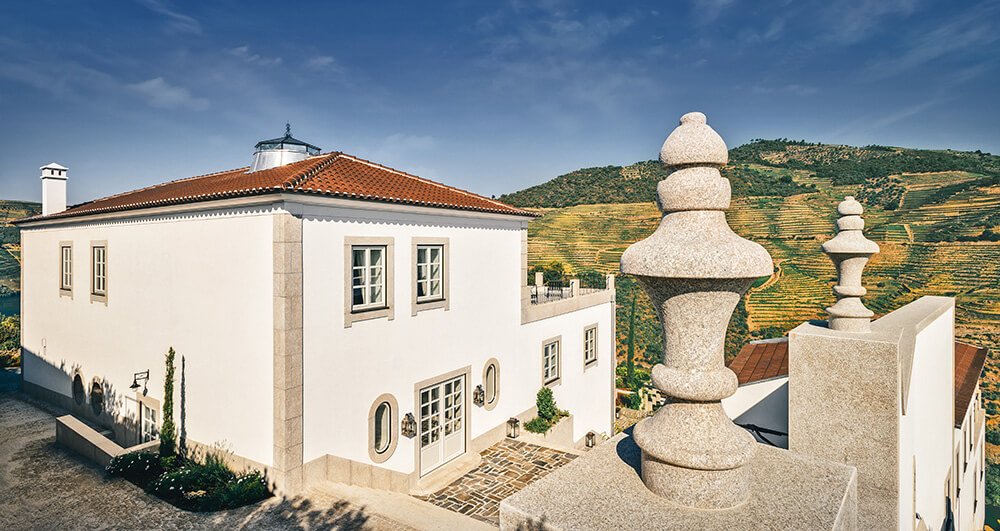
column 319, row 305
column 902, row 404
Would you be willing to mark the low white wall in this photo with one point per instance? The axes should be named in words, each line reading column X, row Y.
column 764, row 404
column 199, row 282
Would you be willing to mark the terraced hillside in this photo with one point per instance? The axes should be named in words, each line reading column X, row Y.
column 935, row 214
column 10, row 242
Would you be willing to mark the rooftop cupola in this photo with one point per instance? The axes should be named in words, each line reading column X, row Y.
column 281, row 151
column 53, row 188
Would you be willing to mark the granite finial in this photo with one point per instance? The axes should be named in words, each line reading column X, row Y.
column 850, row 251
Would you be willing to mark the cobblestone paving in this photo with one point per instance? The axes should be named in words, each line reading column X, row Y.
column 507, row 467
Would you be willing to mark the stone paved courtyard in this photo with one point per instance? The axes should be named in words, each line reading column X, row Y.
column 507, row 467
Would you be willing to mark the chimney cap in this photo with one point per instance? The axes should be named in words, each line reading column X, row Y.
column 53, row 166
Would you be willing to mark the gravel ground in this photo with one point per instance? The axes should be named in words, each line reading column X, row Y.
column 43, row 486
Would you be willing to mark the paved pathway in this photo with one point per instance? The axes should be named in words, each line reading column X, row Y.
column 507, row 467
column 45, row 487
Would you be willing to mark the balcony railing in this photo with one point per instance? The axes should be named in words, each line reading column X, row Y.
column 542, row 300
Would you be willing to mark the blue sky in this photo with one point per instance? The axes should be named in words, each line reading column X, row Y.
column 491, row 97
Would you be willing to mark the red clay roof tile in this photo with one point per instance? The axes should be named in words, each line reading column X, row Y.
column 332, row 174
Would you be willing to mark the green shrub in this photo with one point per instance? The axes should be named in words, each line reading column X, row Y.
column 537, row 425
column 632, row 401
column 247, row 488
column 168, row 436
column 140, row 468
column 546, row 403
column 993, row 436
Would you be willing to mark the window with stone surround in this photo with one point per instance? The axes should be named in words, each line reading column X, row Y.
column 65, row 267
column 99, row 271
column 430, row 274
column 383, row 428
column 550, row 361
column 590, row 344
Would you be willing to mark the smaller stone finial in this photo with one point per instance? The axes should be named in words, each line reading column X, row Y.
column 850, row 250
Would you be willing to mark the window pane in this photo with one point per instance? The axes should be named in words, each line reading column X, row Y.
column 358, row 297
column 376, row 257
column 436, row 271
column 435, row 287
column 421, row 272
column 358, row 257
column 422, row 289
column 421, row 255
column 382, row 427
column 376, row 294
column 435, row 255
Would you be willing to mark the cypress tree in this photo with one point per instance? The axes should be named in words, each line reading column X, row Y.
column 167, row 431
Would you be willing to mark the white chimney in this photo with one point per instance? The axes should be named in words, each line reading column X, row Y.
column 280, row 151
column 53, row 188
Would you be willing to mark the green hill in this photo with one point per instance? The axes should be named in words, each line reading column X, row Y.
column 935, row 214
column 10, row 242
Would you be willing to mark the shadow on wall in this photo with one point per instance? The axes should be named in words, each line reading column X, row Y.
column 93, row 399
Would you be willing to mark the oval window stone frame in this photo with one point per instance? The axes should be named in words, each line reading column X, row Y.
column 489, row 405
column 394, row 419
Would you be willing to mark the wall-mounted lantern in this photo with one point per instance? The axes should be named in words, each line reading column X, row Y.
column 513, row 428
column 142, row 375
column 591, row 439
column 409, row 426
column 478, row 396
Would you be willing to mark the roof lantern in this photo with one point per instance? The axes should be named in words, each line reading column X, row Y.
column 280, row 151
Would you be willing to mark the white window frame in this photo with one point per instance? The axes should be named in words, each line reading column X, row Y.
column 149, row 428
column 551, row 361
column 424, row 275
column 99, row 271
column 429, row 302
column 368, row 272
column 376, row 454
column 590, row 345
column 66, row 267
column 370, row 310
column 488, row 404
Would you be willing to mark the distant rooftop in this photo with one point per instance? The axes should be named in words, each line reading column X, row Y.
column 768, row 359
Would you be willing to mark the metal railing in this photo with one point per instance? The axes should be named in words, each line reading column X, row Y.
column 552, row 291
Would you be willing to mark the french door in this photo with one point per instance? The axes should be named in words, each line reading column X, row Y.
column 442, row 423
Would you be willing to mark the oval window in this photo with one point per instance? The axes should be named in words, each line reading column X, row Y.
column 491, row 383
column 78, row 395
column 97, row 399
column 383, row 427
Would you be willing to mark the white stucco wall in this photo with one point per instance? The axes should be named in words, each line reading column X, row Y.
column 969, row 443
column 346, row 369
column 926, row 429
column 764, row 404
column 198, row 282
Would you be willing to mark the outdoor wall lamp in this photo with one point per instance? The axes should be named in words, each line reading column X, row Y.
column 479, row 396
column 409, row 426
column 591, row 439
column 513, row 428
column 142, row 375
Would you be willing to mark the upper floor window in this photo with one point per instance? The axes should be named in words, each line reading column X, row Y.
column 99, row 269
column 430, row 272
column 590, row 345
column 550, row 361
column 65, row 267
column 368, row 277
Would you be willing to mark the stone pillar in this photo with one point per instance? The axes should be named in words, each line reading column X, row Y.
column 574, row 287
column 287, row 299
column 850, row 251
column 539, row 279
column 695, row 269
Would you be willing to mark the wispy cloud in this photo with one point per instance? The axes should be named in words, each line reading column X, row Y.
column 971, row 31
column 158, row 93
column 323, row 63
column 790, row 88
column 706, row 11
column 177, row 22
column 866, row 125
column 245, row 55
column 856, row 20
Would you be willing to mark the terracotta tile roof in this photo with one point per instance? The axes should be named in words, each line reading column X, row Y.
column 331, row 174
column 969, row 361
column 763, row 361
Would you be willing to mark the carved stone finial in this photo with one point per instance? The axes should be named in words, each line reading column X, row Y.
column 695, row 269
column 850, row 251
